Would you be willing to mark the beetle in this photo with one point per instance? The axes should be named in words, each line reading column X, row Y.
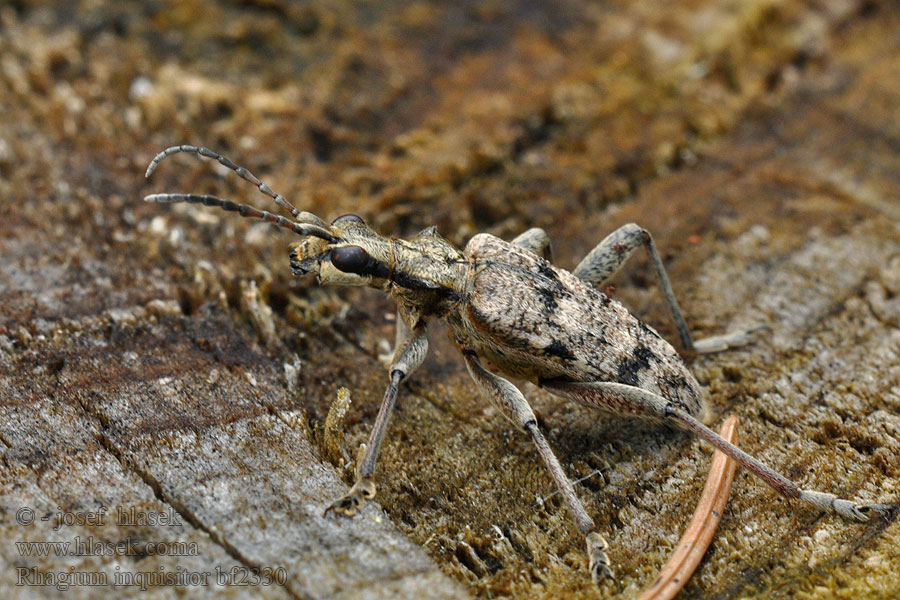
column 512, row 313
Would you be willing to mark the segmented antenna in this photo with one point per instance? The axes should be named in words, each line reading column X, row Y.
column 245, row 210
column 301, row 216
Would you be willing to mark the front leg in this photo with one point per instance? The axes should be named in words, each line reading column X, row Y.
column 401, row 334
column 407, row 358
column 512, row 404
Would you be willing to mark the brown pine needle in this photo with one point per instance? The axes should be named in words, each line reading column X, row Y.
column 699, row 534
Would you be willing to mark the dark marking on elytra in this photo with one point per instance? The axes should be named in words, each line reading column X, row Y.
column 629, row 368
column 676, row 383
column 557, row 348
column 627, row 372
column 644, row 355
column 548, row 297
column 545, row 270
column 675, row 387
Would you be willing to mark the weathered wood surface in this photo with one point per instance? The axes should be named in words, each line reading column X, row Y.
column 759, row 141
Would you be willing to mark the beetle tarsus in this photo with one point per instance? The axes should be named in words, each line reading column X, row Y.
column 350, row 503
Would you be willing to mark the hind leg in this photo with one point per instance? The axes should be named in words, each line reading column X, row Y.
column 633, row 401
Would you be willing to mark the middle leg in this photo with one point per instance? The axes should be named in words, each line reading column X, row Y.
column 606, row 258
column 536, row 240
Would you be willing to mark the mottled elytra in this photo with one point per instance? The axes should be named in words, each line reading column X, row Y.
column 512, row 313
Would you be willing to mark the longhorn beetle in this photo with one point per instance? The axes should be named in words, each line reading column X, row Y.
column 510, row 311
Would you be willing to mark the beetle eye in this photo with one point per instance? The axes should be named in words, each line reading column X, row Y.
column 343, row 218
column 350, row 259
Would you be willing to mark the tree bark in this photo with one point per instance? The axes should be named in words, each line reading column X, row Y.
column 160, row 360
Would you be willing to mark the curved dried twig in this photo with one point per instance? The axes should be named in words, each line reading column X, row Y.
column 699, row 534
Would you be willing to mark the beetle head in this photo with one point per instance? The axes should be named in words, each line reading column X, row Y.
column 354, row 255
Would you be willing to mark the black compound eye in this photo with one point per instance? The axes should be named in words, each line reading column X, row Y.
column 344, row 218
column 350, row 259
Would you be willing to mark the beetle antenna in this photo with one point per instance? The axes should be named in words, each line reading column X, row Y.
column 245, row 210
column 243, row 173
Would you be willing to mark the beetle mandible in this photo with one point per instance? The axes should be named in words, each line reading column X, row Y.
column 510, row 311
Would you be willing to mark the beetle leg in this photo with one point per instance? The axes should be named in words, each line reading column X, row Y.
column 512, row 404
column 401, row 333
column 536, row 240
column 606, row 258
column 635, row 401
column 407, row 357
